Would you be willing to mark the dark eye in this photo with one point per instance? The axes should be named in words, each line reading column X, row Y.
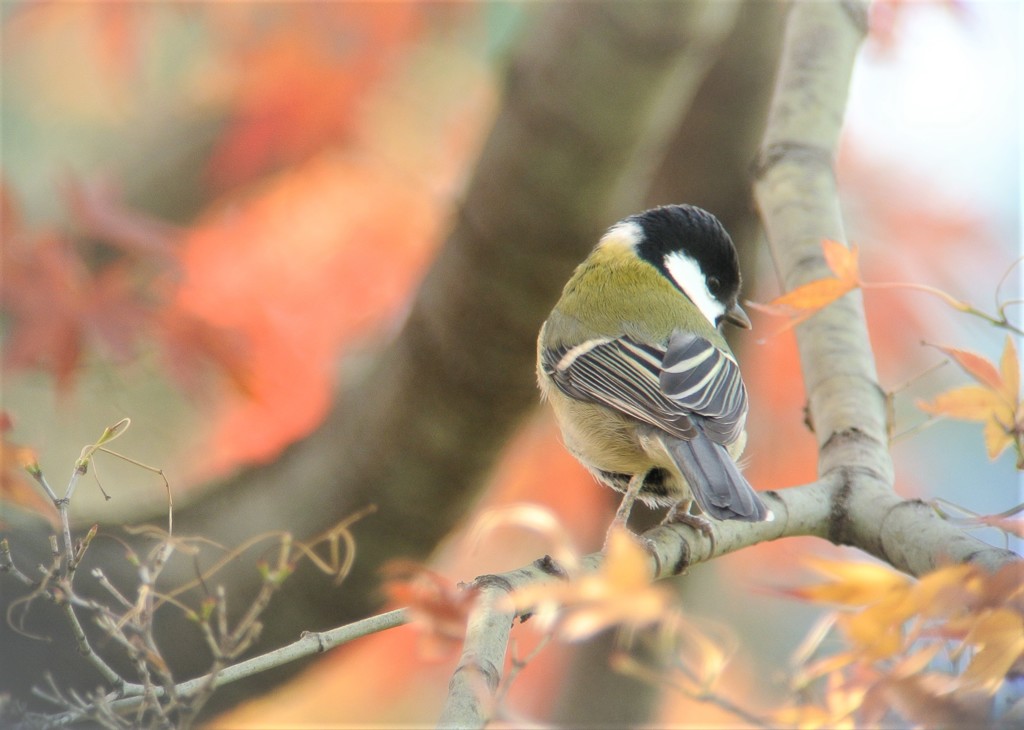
column 714, row 284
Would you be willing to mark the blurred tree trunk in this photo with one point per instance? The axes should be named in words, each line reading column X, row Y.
column 593, row 92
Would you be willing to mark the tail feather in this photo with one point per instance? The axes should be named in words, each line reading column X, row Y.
column 715, row 480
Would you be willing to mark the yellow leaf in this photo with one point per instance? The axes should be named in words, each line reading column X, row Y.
column 823, row 667
column 619, row 593
column 640, row 608
column 856, row 584
column 1009, row 369
column 941, row 591
column 626, row 564
column 997, row 438
column 1000, row 634
column 995, row 402
column 916, row 662
column 967, row 403
column 842, row 260
column 877, row 630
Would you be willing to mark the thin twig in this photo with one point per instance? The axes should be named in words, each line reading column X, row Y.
column 86, row 650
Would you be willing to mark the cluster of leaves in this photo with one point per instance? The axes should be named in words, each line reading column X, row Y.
column 896, row 631
column 619, row 593
column 994, row 401
column 682, row 654
column 583, row 601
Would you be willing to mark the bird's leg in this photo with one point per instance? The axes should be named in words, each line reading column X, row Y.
column 626, row 505
column 680, row 513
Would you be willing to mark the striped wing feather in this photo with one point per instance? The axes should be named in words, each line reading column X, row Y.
column 664, row 387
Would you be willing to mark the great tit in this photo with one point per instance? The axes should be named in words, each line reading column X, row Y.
column 645, row 389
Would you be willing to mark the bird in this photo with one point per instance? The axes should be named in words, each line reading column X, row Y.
column 645, row 390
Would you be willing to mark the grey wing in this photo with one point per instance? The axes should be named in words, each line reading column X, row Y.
column 706, row 380
column 664, row 387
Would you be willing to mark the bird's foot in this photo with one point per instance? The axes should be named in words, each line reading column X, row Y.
column 680, row 514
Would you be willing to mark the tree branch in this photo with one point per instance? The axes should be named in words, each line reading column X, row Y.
column 799, row 203
column 132, row 696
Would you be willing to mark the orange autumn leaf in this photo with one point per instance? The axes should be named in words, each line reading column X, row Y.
column 16, row 461
column 813, row 296
column 976, row 366
column 298, row 269
column 62, row 306
column 999, row 636
column 807, row 299
column 60, row 310
column 995, row 401
column 843, row 261
column 437, row 605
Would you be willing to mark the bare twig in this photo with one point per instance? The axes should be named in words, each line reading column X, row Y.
column 7, row 564
column 129, row 622
column 310, row 644
column 85, row 648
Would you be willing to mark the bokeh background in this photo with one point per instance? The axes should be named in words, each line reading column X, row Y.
column 210, row 211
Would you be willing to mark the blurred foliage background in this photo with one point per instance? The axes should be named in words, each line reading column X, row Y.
column 212, row 212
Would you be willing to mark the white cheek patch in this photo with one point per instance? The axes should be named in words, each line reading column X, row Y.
column 688, row 275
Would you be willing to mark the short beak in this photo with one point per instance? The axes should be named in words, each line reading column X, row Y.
column 735, row 315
